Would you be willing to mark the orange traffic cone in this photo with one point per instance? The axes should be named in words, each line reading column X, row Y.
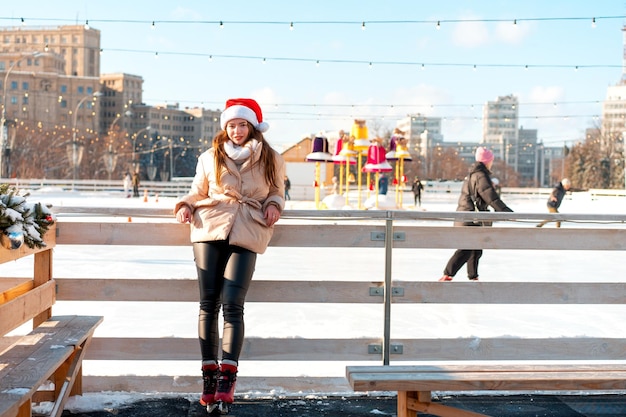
column 156, row 197
column 145, row 196
column 130, row 219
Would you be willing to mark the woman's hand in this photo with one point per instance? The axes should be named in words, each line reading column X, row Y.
column 272, row 214
column 183, row 215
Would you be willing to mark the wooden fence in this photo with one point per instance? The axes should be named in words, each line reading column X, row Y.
column 384, row 231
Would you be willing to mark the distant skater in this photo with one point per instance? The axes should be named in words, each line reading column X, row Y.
column 556, row 198
column 417, row 188
column 136, row 184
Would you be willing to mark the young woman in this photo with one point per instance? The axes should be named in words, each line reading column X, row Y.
column 236, row 197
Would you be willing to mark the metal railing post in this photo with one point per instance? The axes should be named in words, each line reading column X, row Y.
column 387, row 289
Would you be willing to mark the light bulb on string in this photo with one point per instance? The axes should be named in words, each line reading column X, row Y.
column 370, row 66
column 153, row 25
column 23, row 22
column 317, row 64
column 363, row 26
column 593, row 23
column 291, row 26
column 210, row 58
column 86, row 24
column 438, row 25
column 221, row 24
column 515, row 22
column 156, row 55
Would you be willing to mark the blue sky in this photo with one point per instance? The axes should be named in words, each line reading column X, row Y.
column 300, row 97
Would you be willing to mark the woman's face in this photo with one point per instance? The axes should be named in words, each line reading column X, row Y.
column 238, row 131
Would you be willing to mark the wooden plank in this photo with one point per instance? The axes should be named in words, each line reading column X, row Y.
column 11, row 288
column 90, row 233
column 5, row 343
column 262, row 349
column 505, row 348
column 464, row 292
column 41, row 275
column 311, row 235
column 7, row 255
column 10, row 403
column 37, row 347
column 486, row 381
column 488, row 367
column 86, row 289
column 18, row 311
column 511, row 238
column 358, row 235
column 54, row 347
column 511, row 348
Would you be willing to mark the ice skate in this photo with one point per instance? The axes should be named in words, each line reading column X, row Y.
column 210, row 375
column 225, row 394
column 445, row 278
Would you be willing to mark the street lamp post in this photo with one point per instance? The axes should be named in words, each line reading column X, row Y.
column 76, row 152
column 3, row 131
column 135, row 136
column 624, row 152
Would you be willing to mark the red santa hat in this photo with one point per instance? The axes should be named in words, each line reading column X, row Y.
column 244, row 108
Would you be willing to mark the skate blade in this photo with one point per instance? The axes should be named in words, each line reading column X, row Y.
column 223, row 408
column 211, row 408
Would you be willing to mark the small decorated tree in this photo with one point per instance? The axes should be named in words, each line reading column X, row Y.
column 21, row 221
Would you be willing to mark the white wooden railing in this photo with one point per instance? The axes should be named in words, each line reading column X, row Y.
column 384, row 231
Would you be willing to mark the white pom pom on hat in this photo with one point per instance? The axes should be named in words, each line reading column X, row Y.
column 244, row 108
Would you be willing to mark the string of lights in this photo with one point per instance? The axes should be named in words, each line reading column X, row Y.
column 369, row 63
column 391, row 106
column 291, row 24
column 331, row 116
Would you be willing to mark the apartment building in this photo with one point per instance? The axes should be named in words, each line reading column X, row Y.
column 49, row 71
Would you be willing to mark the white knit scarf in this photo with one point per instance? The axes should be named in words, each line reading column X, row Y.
column 239, row 153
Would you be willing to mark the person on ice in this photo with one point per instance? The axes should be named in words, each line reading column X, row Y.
column 556, row 198
column 236, row 197
column 477, row 194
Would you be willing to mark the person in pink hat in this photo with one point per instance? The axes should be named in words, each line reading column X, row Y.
column 236, row 197
column 477, row 194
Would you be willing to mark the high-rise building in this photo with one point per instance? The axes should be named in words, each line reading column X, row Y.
column 78, row 45
column 120, row 92
column 423, row 132
column 500, row 128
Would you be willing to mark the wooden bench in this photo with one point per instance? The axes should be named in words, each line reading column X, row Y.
column 44, row 365
column 415, row 383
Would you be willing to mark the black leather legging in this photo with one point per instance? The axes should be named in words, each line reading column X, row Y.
column 224, row 275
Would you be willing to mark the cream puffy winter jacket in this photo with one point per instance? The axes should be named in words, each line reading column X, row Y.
column 235, row 208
